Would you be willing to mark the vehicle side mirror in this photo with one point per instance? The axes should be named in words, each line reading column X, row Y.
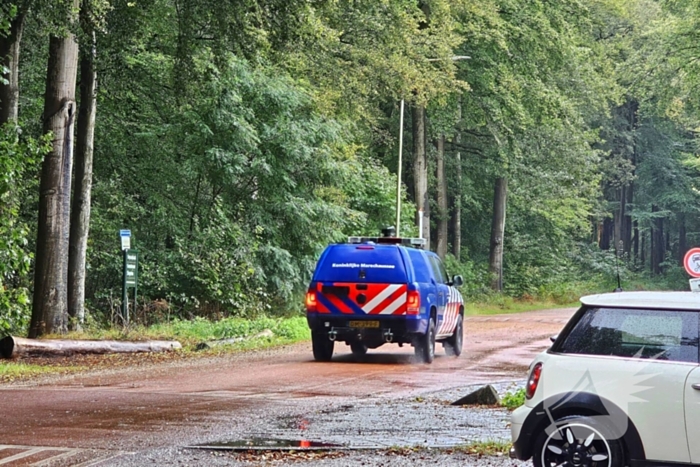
column 554, row 338
column 457, row 281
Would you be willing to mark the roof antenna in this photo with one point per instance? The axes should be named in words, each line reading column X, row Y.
column 617, row 268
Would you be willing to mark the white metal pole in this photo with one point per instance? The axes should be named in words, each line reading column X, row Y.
column 398, row 175
column 420, row 223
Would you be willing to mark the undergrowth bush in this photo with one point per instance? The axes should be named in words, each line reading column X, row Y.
column 19, row 161
column 475, row 276
column 513, row 399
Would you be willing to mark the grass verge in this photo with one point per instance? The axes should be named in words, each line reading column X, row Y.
column 12, row 371
column 497, row 305
column 487, row 448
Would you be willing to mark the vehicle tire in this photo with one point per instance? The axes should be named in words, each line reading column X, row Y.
column 578, row 440
column 358, row 349
column 322, row 346
column 453, row 344
column 425, row 344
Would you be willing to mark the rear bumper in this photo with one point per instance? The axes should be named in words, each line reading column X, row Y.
column 522, row 439
column 403, row 328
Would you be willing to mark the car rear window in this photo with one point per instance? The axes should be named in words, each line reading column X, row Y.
column 636, row 333
column 362, row 263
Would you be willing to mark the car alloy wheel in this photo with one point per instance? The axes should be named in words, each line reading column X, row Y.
column 578, row 442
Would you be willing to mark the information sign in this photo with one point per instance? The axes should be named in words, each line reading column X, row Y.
column 130, row 275
column 695, row 284
column 125, row 236
column 132, row 268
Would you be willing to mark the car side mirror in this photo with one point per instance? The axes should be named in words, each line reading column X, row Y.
column 457, row 281
column 554, row 338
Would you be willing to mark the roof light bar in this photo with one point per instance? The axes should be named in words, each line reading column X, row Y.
column 417, row 242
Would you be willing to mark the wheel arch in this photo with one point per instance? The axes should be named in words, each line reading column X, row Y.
column 571, row 404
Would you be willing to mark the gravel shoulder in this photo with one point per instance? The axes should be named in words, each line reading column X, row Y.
column 418, row 430
column 364, row 458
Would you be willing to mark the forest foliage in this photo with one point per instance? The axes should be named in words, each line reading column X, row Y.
column 237, row 138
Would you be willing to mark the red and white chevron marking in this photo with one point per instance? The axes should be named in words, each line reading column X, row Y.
column 451, row 313
column 391, row 300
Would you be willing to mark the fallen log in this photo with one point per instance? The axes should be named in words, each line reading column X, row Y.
column 11, row 347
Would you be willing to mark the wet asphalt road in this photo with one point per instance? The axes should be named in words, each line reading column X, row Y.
column 147, row 415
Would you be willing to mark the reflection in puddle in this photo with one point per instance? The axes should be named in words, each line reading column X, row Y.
column 294, row 423
column 268, row 444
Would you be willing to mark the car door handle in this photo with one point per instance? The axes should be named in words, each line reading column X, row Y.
column 696, row 386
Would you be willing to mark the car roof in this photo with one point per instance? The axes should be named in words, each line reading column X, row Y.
column 655, row 300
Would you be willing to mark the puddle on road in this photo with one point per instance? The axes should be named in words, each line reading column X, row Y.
column 293, row 423
column 269, row 444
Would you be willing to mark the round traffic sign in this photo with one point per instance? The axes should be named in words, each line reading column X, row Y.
column 692, row 262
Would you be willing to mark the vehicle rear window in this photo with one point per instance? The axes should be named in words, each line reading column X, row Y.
column 636, row 333
column 362, row 263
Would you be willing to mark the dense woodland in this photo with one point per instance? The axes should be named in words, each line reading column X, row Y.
column 542, row 140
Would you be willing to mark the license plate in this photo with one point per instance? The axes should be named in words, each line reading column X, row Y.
column 363, row 324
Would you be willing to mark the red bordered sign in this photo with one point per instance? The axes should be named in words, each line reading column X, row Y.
column 692, row 262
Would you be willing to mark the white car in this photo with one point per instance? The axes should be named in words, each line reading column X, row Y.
column 620, row 386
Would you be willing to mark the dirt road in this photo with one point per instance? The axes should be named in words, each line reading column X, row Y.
column 89, row 417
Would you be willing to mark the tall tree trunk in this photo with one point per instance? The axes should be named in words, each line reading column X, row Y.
column 9, row 58
column 643, row 251
column 80, row 210
column 497, row 232
column 605, row 234
column 420, row 173
column 51, row 270
column 457, row 208
column 619, row 222
column 658, row 243
column 443, row 216
column 184, row 53
column 682, row 238
column 629, row 198
column 635, row 241
column 595, row 232
column 627, row 221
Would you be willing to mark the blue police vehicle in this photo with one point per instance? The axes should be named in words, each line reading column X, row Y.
column 374, row 291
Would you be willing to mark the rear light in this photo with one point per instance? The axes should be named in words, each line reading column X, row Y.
column 311, row 301
column 413, row 302
column 533, row 381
